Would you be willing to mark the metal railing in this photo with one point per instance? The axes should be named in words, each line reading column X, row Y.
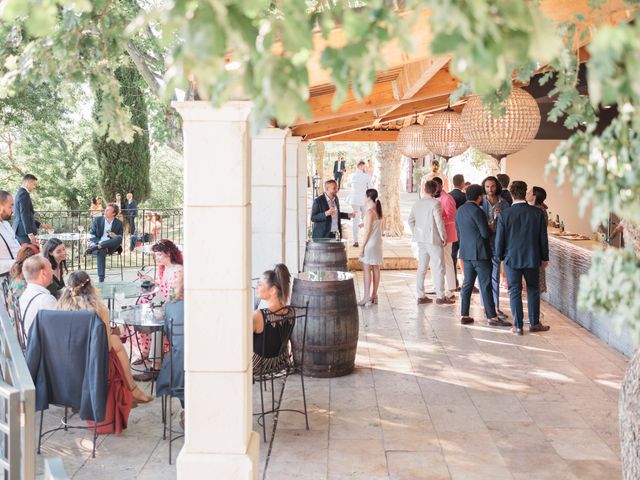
column 151, row 225
column 17, row 407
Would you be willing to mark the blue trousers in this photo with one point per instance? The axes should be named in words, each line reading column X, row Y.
column 482, row 270
column 532, row 279
column 108, row 246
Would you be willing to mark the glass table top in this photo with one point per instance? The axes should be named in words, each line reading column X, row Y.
column 145, row 315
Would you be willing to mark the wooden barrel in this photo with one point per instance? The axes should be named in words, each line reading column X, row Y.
column 325, row 255
column 332, row 323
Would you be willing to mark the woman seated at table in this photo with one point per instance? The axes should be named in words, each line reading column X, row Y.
column 17, row 283
column 56, row 252
column 81, row 295
column 169, row 261
column 273, row 288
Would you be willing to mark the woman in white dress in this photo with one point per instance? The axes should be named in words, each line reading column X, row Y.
column 371, row 248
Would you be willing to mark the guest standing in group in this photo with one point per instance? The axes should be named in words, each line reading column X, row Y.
column 131, row 212
column 435, row 172
column 9, row 246
column 476, row 252
column 25, row 225
column 339, row 167
column 521, row 240
column 493, row 205
column 429, row 233
column 371, row 253
column 95, row 210
column 536, row 197
column 326, row 214
column 449, row 219
column 459, row 196
column 56, row 252
column 360, row 181
column 504, row 180
column 106, row 237
column 38, row 274
column 169, row 269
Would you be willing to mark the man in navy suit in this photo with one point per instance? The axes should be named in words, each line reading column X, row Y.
column 521, row 241
column 475, row 250
column 326, row 214
column 106, row 237
column 24, row 225
column 339, row 167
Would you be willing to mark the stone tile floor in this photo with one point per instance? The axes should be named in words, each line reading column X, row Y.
column 428, row 399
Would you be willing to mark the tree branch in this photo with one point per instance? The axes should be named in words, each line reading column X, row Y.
column 139, row 61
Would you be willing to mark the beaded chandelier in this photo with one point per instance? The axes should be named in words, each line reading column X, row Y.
column 507, row 134
column 411, row 141
column 444, row 136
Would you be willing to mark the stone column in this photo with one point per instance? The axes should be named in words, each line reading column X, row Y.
column 292, row 251
column 219, row 442
column 303, row 215
column 268, row 198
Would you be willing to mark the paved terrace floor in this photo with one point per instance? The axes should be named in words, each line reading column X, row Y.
column 429, row 399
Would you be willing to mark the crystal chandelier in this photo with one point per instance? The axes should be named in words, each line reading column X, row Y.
column 411, row 141
column 444, row 136
column 507, row 134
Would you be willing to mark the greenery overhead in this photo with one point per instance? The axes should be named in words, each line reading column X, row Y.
column 260, row 49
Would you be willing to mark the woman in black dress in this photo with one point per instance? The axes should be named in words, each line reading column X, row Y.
column 56, row 252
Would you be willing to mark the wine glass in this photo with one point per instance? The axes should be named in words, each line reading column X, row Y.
column 80, row 228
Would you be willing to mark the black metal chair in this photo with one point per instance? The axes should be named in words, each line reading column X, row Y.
column 274, row 358
column 176, row 342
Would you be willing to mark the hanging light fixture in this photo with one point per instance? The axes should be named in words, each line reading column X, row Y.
column 411, row 141
column 444, row 135
column 505, row 135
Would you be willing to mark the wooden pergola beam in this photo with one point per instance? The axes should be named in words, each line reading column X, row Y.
column 364, row 136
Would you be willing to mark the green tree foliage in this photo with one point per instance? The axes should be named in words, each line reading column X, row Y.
column 124, row 167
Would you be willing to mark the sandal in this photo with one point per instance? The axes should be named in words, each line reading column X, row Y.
column 137, row 401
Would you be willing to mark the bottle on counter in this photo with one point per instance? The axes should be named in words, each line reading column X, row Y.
column 338, row 235
column 561, row 227
column 557, row 225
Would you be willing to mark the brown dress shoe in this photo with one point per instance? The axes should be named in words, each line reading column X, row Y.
column 466, row 320
column 475, row 290
column 444, row 301
column 538, row 327
column 497, row 322
column 423, row 300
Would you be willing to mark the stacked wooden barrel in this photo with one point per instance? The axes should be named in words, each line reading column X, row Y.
column 325, row 255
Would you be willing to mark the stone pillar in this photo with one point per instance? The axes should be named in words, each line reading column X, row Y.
column 219, row 442
column 292, row 251
column 268, row 198
column 303, row 215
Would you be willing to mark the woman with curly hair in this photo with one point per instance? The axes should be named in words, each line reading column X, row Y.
column 168, row 258
column 17, row 283
column 82, row 295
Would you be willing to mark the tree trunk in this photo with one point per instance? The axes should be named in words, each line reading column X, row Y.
column 318, row 159
column 390, row 161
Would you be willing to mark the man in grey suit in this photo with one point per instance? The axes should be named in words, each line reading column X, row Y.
column 521, row 241
column 429, row 233
column 475, row 251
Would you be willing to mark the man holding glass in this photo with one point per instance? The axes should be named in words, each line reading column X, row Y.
column 106, row 237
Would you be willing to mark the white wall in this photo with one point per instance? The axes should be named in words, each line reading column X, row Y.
column 529, row 165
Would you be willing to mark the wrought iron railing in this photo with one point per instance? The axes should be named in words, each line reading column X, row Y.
column 150, row 225
column 17, row 407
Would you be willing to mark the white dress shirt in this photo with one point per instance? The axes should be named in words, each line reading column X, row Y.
column 360, row 182
column 107, row 229
column 42, row 300
column 9, row 247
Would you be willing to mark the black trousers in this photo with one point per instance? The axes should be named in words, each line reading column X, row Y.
column 455, row 248
column 482, row 270
column 532, row 279
column 338, row 178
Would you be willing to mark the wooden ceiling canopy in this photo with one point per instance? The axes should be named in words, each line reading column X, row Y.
column 413, row 84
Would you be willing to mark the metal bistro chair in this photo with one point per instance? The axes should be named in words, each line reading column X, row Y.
column 13, row 308
column 176, row 342
column 276, row 360
column 119, row 252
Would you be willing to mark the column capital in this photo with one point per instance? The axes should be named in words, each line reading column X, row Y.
column 293, row 140
column 204, row 111
column 271, row 133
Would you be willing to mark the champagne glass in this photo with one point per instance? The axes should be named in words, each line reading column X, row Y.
column 80, row 228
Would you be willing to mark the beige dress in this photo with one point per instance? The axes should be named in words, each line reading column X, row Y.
column 373, row 248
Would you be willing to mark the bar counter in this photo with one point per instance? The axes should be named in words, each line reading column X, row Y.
column 568, row 260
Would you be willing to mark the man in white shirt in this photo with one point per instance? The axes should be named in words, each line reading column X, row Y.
column 38, row 274
column 360, row 182
column 9, row 246
column 429, row 233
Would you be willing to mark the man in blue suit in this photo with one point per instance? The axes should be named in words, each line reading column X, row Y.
column 521, row 241
column 25, row 225
column 106, row 237
column 475, row 251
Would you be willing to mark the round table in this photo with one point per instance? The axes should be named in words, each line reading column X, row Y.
column 109, row 291
column 70, row 237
